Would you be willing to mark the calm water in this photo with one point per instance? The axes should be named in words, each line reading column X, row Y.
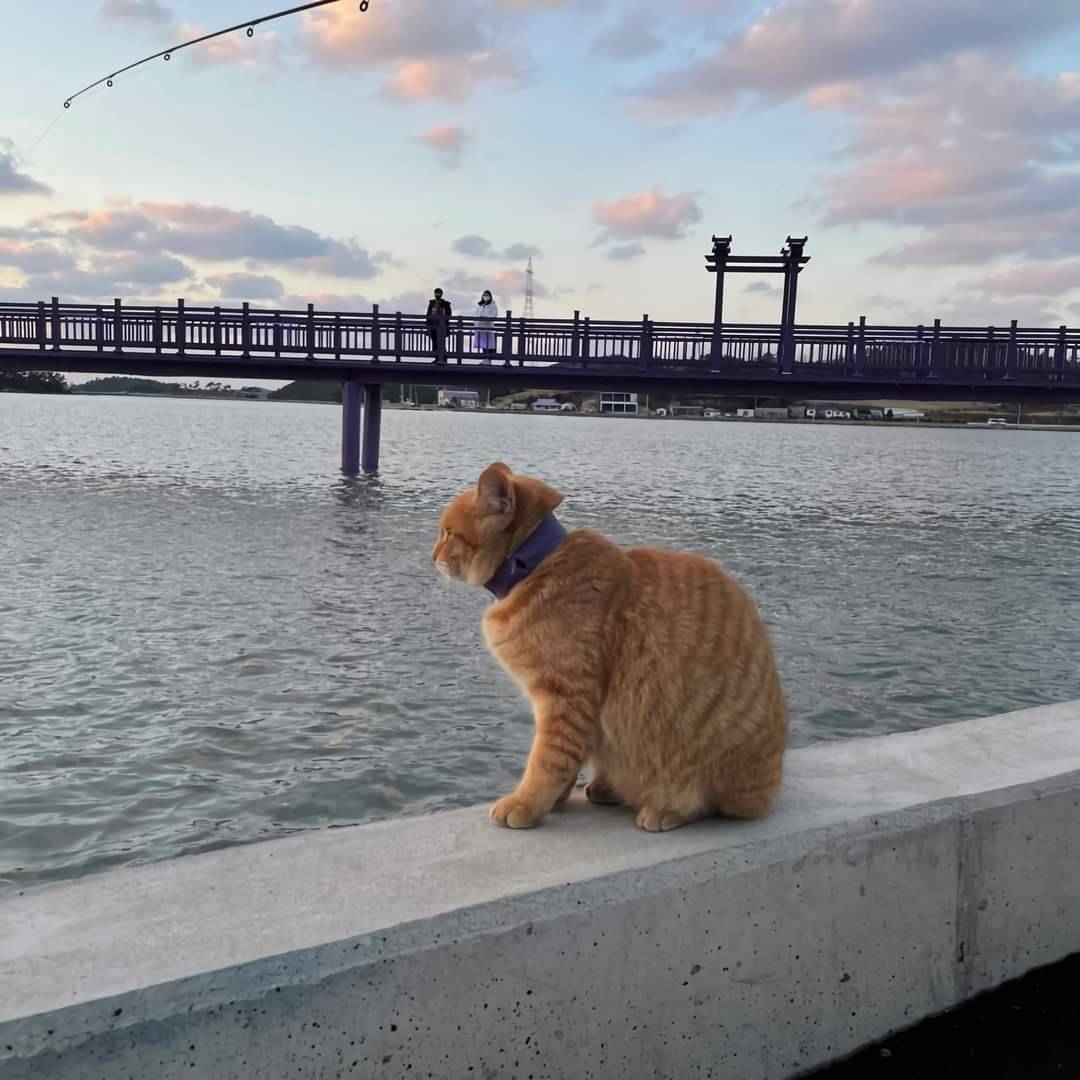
column 207, row 637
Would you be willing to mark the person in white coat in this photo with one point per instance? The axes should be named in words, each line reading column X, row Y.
column 487, row 311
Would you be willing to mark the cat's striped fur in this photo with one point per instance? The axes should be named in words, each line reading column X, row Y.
column 652, row 666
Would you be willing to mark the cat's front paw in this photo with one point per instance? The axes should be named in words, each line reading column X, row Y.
column 513, row 812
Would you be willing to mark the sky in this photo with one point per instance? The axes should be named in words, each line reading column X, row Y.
column 928, row 148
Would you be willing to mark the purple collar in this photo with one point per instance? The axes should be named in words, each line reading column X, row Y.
column 541, row 542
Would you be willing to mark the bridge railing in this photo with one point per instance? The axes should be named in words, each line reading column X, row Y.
column 921, row 352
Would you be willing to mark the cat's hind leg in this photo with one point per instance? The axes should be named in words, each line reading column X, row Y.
column 663, row 812
column 748, row 805
column 601, row 792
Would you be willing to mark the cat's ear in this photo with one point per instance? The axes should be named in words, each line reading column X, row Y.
column 495, row 490
column 502, row 468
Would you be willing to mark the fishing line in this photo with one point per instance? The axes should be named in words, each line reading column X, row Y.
column 167, row 54
column 28, row 157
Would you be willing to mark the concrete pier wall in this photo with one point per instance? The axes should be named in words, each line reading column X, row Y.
column 898, row 876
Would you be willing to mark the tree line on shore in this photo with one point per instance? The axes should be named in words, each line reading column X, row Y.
column 50, row 382
column 33, row 382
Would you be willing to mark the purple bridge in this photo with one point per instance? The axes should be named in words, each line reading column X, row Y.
column 852, row 361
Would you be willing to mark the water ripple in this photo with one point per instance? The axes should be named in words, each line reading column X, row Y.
column 206, row 638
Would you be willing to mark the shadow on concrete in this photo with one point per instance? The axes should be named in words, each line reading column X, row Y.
column 1025, row 1030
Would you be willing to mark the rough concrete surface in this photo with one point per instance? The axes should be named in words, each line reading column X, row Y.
column 1028, row 1029
column 898, row 876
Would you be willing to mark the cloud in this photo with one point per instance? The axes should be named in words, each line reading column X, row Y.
column 479, row 247
column 99, row 279
column 34, row 257
column 148, row 11
column 114, row 228
column 476, row 247
column 447, row 80
column 511, row 282
column 762, row 288
column 410, row 302
column 448, row 141
column 247, row 286
column 953, row 140
column 507, row 284
column 798, row 46
column 147, row 248
column 626, row 252
column 434, row 50
column 978, row 310
column 258, row 52
column 521, row 251
column 647, row 214
column 981, row 159
column 217, row 234
column 141, row 270
column 342, row 302
column 630, row 38
column 13, row 181
column 1045, row 279
column 884, row 300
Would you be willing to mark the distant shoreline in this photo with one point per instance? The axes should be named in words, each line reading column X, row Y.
column 896, row 423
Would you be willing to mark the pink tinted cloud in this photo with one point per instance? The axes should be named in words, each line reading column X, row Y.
column 258, row 52
column 148, row 249
column 34, row 257
column 446, row 79
column 977, row 157
column 434, row 50
column 1046, row 279
column 796, row 46
column 647, row 214
column 447, row 141
column 255, row 53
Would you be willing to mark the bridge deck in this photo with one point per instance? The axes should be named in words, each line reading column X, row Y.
column 855, row 360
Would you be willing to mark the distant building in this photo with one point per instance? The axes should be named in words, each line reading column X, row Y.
column 771, row 414
column 458, row 399
column 618, row 402
column 827, row 412
column 545, row 404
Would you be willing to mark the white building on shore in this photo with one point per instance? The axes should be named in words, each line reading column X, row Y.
column 619, row 402
column 458, row 399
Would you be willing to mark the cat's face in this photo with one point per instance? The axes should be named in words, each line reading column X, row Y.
column 477, row 530
column 472, row 538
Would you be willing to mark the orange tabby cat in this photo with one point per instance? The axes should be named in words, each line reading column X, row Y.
column 652, row 666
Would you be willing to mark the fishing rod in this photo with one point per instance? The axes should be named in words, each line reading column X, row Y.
column 167, row 54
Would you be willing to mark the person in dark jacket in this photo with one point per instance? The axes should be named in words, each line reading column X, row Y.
column 438, row 319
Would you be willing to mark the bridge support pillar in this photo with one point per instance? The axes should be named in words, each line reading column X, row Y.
column 372, row 427
column 350, row 426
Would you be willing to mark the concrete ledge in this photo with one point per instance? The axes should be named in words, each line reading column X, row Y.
column 899, row 876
